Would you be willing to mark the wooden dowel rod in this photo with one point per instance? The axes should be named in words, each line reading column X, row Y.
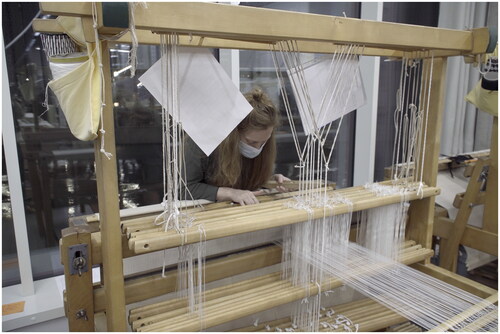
column 229, row 209
column 159, row 308
column 239, row 309
column 257, row 222
column 214, row 293
column 489, row 318
column 257, row 292
column 467, row 313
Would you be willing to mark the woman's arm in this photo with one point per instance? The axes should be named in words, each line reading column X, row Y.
column 243, row 197
column 280, row 178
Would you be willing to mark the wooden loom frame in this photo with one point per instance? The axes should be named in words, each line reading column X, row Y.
column 225, row 26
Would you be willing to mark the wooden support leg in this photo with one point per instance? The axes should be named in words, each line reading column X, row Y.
column 422, row 211
column 109, row 212
column 490, row 217
column 449, row 247
column 76, row 256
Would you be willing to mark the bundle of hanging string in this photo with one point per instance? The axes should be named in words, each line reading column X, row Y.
column 174, row 216
column 320, row 248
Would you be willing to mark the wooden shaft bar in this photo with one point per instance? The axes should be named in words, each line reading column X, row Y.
column 148, row 227
column 267, row 25
column 147, row 37
column 79, row 303
column 143, row 288
column 362, row 312
column 109, row 211
column 409, row 252
column 164, row 240
column 422, row 211
column 225, row 208
column 142, row 313
column 216, row 315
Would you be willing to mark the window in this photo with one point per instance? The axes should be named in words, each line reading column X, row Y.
column 10, row 266
column 257, row 69
column 57, row 170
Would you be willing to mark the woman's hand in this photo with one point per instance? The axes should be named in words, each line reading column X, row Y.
column 243, row 197
column 280, row 178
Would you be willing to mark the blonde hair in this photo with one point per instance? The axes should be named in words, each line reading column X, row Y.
column 230, row 168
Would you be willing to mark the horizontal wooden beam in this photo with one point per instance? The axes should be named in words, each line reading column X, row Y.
column 473, row 237
column 459, row 281
column 479, row 200
column 268, row 26
column 260, row 220
column 155, row 285
column 50, row 26
column 66, row 8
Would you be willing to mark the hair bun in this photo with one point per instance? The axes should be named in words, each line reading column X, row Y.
column 257, row 94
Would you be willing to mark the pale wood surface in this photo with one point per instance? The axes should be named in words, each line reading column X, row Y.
column 449, row 247
column 473, row 237
column 459, row 281
column 78, row 294
column 265, row 25
column 490, row 217
column 368, row 314
column 109, row 211
column 422, row 211
column 474, row 309
column 143, row 288
column 67, row 8
column 148, row 37
column 248, row 302
column 268, row 215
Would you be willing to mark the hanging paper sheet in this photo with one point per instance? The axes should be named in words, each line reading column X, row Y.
column 211, row 106
column 334, row 88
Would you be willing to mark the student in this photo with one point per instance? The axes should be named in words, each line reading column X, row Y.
column 242, row 163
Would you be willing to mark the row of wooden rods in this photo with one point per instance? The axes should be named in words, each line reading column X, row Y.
column 132, row 226
column 366, row 313
column 239, row 301
column 244, row 219
column 159, row 308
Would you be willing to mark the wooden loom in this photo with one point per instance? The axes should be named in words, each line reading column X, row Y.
column 235, row 27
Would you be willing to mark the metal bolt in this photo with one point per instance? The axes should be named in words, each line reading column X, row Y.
column 79, row 263
column 82, row 314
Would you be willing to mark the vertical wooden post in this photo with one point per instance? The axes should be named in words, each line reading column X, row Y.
column 109, row 211
column 79, row 301
column 490, row 217
column 422, row 211
column 449, row 247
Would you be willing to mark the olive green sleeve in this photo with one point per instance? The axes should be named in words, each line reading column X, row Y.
column 196, row 167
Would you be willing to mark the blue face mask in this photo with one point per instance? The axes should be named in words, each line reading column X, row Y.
column 248, row 151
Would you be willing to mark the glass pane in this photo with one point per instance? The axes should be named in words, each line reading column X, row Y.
column 257, row 69
column 138, row 129
column 10, row 265
column 57, row 170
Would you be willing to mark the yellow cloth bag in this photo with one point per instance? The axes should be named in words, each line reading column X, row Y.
column 483, row 99
column 79, row 96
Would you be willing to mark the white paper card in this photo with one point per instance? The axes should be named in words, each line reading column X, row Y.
column 340, row 79
column 211, row 106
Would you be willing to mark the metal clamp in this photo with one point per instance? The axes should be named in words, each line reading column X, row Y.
column 77, row 256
